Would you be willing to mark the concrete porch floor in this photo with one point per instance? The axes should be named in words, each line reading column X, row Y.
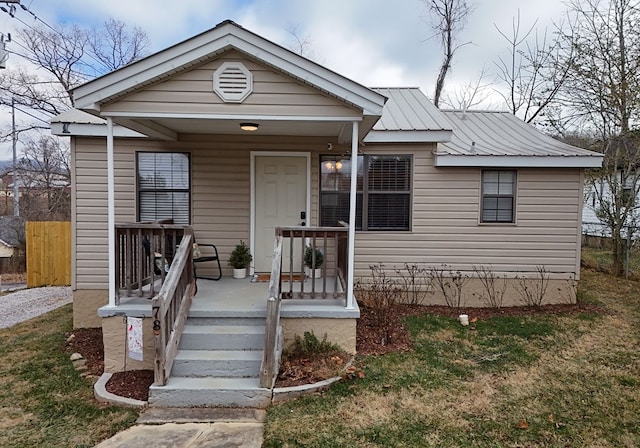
column 242, row 297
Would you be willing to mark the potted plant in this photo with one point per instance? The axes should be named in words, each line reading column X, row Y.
column 313, row 260
column 240, row 259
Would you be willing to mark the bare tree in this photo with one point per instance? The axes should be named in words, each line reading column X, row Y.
column 115, row 45
column 470, row 94
column 59, row 59
column 602, row 96
column 45, row 179
column 531, row 70
column 449, row 18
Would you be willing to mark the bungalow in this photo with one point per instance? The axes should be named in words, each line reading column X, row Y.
column 228, row 137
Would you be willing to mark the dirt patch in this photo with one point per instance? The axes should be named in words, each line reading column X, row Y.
column 14, row 278
column 88, row 342
column 131, row 384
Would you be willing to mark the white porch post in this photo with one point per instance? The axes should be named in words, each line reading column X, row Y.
column 111, row 214
column 352, row 215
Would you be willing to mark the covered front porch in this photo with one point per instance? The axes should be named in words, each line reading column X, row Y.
column 212, row 339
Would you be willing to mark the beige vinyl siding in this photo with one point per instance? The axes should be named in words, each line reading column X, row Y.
column 220, row 196
column 192, row 92
column 446, row 227
column 445, row 221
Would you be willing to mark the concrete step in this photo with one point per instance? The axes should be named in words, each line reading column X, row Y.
column 201, row 318
column 222, row 337
column 210, row 392
column 217, row 363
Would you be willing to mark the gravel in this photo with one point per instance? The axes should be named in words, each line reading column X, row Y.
column 25, row 304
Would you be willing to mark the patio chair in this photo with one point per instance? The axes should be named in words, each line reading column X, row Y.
column 208, row 256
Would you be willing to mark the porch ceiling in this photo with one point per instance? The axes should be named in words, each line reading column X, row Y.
column 270, row 127
column 169, row 128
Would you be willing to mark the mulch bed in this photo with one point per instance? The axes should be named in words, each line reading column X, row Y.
column 132, row 384
column 297, row 371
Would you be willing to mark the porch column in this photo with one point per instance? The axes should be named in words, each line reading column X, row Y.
column 352, row 214
column 111, row 214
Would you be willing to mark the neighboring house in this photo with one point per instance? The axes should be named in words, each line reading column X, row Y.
column 11, row 229
column 235, row 136
column 592, row 225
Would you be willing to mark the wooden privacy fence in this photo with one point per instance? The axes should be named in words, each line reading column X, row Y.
column 48, row 253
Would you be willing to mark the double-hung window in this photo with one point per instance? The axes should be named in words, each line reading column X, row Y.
column 164, row 186
column 383, row 197
column 498, row 196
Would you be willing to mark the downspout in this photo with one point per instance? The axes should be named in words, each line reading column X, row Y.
column 111, row 214
column 352, row 215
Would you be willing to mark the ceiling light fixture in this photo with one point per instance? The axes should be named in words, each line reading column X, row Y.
column 249, row 127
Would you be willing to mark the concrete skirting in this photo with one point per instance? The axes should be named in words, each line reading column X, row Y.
column 104, row 396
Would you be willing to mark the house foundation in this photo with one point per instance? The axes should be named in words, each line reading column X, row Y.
column 86, row 303
column 116, row 353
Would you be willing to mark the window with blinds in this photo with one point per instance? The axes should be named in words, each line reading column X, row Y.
column 383, row 200
column 164, row 186
column 498, row 194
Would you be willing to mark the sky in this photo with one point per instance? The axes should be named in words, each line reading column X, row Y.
column 378, row 43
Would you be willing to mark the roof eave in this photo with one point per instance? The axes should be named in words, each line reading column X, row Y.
column 448, row 160
column 91, row 130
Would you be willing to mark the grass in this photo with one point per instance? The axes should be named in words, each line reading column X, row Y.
column 537, row 381
column 601, row 260
column 44, row 402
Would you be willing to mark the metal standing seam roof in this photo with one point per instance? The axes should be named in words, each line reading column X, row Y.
column 490, row 133
column 408, row 109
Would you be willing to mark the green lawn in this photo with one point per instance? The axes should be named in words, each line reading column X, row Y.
column 44, row 402
column 542, row 380
column 537, row 381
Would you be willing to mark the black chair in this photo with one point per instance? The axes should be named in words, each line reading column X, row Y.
column 212, row 255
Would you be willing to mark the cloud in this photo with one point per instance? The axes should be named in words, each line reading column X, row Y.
column 373, row 42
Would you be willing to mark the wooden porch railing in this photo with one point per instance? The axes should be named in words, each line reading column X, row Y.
column 143, row 251
column 270, row 359
column 171, row 306
column 332, row 241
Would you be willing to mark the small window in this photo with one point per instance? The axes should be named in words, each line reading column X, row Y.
column 498, row 194
column 164, row 186
column 383, row 192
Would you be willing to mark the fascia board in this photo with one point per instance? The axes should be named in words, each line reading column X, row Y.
column 594, row 161
column 200, row 48
column 92, row 130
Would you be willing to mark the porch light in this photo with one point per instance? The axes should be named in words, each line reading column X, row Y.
column 249, row 127
column 332, row 166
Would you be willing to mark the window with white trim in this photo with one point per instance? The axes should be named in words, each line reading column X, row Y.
column 498, row 196
column 383, row 197
column 164, row 186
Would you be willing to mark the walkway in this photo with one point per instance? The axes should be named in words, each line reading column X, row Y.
column 203, row 428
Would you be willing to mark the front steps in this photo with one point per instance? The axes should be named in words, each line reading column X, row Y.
column 217, row 364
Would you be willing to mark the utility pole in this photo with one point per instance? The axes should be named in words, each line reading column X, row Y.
column 14, row 138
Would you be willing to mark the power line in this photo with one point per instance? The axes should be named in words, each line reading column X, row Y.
column 31, row 115
column 11, row 12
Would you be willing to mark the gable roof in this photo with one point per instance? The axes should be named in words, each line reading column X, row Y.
column 207, row 46
column 409, row 116
column 499, row 139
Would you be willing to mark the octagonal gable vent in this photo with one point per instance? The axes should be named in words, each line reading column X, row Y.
column 232, row 82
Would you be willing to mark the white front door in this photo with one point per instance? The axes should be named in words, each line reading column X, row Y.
column 280, row 197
